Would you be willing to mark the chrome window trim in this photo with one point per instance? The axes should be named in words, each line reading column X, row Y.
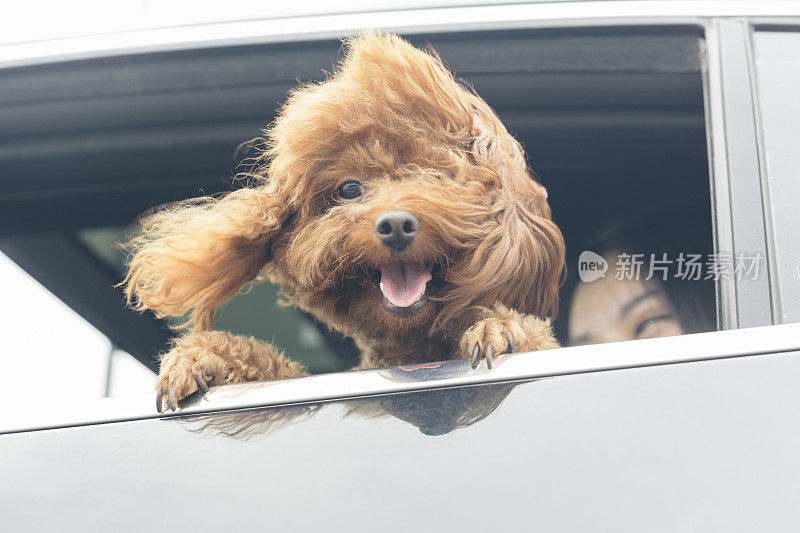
column 722, row 219
column 442, row 19
column 346, row 385
column 777, row 316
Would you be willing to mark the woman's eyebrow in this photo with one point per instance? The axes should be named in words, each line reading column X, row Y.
column 628, row 306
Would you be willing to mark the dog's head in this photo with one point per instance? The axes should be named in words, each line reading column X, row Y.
column 390, row 195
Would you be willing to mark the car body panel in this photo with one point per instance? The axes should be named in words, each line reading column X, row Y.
column 704, row 446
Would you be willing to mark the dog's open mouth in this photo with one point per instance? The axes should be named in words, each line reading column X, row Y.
column 403, row 286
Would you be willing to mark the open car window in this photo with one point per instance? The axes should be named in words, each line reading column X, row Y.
column 613, row 120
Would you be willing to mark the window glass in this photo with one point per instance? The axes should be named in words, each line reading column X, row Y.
column 777, row 59
column 49, row 351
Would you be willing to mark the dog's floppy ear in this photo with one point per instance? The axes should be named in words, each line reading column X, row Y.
column 520, row 260
column 193, row 256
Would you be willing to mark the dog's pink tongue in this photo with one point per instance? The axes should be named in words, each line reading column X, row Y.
column 403, row 284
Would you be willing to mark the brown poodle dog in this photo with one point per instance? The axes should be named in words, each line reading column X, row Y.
column 392, row 204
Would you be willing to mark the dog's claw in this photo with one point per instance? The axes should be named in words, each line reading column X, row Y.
column 199, row 377
column 487, row 354
column 475, row 353
column 169, row 394
column 512, row 348
column 159, row 398
column 171, row 400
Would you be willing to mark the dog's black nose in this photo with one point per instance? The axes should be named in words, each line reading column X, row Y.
column 397, row 229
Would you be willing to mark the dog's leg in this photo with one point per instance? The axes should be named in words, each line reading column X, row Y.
column 208, row 358
column 503, row 330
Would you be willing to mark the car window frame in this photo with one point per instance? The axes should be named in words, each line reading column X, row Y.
column 737, row 183
column 740, row 189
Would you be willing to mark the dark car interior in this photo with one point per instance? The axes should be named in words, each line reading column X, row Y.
column 612, row 120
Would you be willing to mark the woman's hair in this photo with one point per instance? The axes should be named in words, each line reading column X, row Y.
column 651, row 236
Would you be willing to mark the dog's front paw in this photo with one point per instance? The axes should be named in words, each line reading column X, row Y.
column 183, row 372
column 195, row 362
column 490, row 337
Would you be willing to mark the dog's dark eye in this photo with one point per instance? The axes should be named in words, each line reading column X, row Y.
column 351, row 190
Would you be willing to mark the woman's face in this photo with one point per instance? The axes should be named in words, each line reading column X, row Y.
column 611, row 310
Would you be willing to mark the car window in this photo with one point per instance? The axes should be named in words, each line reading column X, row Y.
column 612, row 120
column 777, row 62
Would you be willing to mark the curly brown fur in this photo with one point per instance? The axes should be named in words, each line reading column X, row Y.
column 394, row 119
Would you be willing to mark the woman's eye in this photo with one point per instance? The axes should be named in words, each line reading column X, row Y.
column 351, row 190
column 650, row 322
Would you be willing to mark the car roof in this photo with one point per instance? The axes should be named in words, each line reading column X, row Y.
column 70, row 33
column 27, row 25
